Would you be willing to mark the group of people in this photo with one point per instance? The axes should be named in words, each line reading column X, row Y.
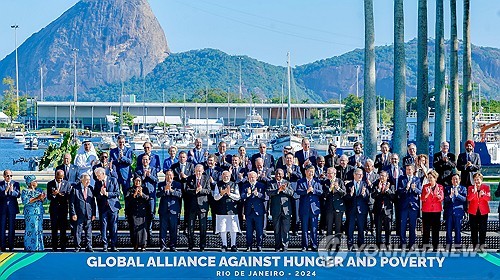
column 299, row 190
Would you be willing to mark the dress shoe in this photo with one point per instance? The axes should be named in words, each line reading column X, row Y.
column 89, row 250
column 277, row 249
column 303, row 249
column 172, row 249
column 143, row 249
column 315, row 249
column 294, row 233
column 77, row 250
column 163, row 249
column 234, row 249
column 224, row 248
column 190, row 249
column 105, row 249
column 284, row 249
column 114, row 249
column 248, row 249
column 202, row 249
column 259, row 249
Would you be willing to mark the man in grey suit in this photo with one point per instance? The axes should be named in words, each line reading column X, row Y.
column 82, row 210
column 468, row 163
column 70, row 170
column 280, row 193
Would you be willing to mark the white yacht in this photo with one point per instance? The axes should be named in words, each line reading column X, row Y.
column 19, row 137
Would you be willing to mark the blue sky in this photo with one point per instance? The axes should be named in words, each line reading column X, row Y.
column 264, row 29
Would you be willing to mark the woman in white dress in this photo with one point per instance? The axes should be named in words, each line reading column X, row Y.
column 227, row 195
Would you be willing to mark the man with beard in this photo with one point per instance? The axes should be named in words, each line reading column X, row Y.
column 358, row 159
column 468, row 163
column 227, row 195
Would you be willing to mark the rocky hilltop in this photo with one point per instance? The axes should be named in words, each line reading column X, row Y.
column 115, row 40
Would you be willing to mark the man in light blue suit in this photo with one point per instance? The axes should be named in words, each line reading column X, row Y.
column 310, row 191
column 198, row 155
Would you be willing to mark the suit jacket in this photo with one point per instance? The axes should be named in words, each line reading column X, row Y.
column 122, row 164
column 235, row 177
column 434, row 201
column 8, row 201
column 109, row 172
column 280, row 163
column 407, row 160
column 409, row 199
column 197, row 202
column 334, row 198
column 444, row 168
column 293, row 177
column 72, row 175
column 197, row 157
column 112, row 200
column 154, row 161
column 357, row 203
column 227, row 204
column 362, row 159
column 380, row 164
column 383, row 199
column 254, row 204
column 268, row 160
column 83, row 208
column 188, row 171
column 455, row 205
column 393, row 179
column 467, row 173
column 478, row 201
column 331, row 160
column 320, row 172
column 215, row 173
column 345, row 174
column 59, row 202
column 281, row 203
column 150, row 182
column 309, row 203
column 299, row 155
column 265, row 175
column 227, row 160
column 170, row 201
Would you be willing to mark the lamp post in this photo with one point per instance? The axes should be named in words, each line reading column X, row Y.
column 75, row 92
column 15, row 27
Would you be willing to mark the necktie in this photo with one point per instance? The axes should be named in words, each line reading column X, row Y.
column 395, row 172
column 66, row 171
column 468, row 157
column 306, row 155
column 198, row 183
column 183, row 166
column 383, row 157
column 85, row 193
column 356, row 185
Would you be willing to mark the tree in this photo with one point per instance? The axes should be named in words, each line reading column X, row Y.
column 54, row 154
column 351, row 114
column 399, row 134
column 422, row 81
column 369, row 96
column 9, row 102
column 128, row 119
column 454, row 86
column 440, row 100
column 467, row 66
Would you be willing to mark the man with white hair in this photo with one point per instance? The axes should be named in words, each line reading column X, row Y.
column 444, row 163
column 254, row 195
column 82, row 211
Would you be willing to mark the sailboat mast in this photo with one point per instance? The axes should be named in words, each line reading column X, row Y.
column 289, row 109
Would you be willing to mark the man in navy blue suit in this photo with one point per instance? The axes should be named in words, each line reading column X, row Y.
column 253, row 193
column 170, row 193
column 149, row 176
column 306, row 156
column 394, row 172
column 9, row 193
column 455, row 199
column 357, row 198
column 154, row 159
column 468, row 163
column 268, row 158
column 107, row 194
column 197, row 191
column 70, row 170
column 121, row 158
column 223, row 158
column 409, row 190
column 198, row 155
column 357, row 160
column 82, row 210
column 310, row 191
column 58, row 191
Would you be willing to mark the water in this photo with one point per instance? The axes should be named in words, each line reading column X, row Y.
column 12, row 152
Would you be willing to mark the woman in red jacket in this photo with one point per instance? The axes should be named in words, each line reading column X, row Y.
column 478, row 197
column 432, row 198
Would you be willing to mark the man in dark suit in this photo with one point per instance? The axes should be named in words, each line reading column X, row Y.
column 253, row 193
column 280, row 193
column 9, row 193
column 411, row 158
column 58, row 191
column 121, row 158
column 109, row 168
column 293, row 175
column 357, row 160
column 268, row 158
column 409, row 190
column 239, row 177
column 394, row 172
column 149, row 176
column 310, row 191
column 82, row 210
column 370, row 177
column 214, row 174
column 444, row 163
column 333, row 194
column 280, row 162
column 455, row 200
column 223, row 158
column 345, row 172
column 383, row 194
column 70, row 170
column 197, row 189
column 356, row 198
column 107, row 194
column 468, row 163
column 306, row 156
column 170, row 193
column 154, row 159
column 332, row 159
column 383, row 160
column 198, row 155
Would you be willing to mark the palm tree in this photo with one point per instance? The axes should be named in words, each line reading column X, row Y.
column 399, row 134
column 440, row 104
column 454, row 94
column 369, row 96
column 422, row 81
column 467, row 90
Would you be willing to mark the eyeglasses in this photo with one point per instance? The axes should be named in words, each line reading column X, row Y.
column 9, row 175
column 104, row 156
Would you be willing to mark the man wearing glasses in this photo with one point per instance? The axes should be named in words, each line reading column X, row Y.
column 9, row 193
column 268, row 158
